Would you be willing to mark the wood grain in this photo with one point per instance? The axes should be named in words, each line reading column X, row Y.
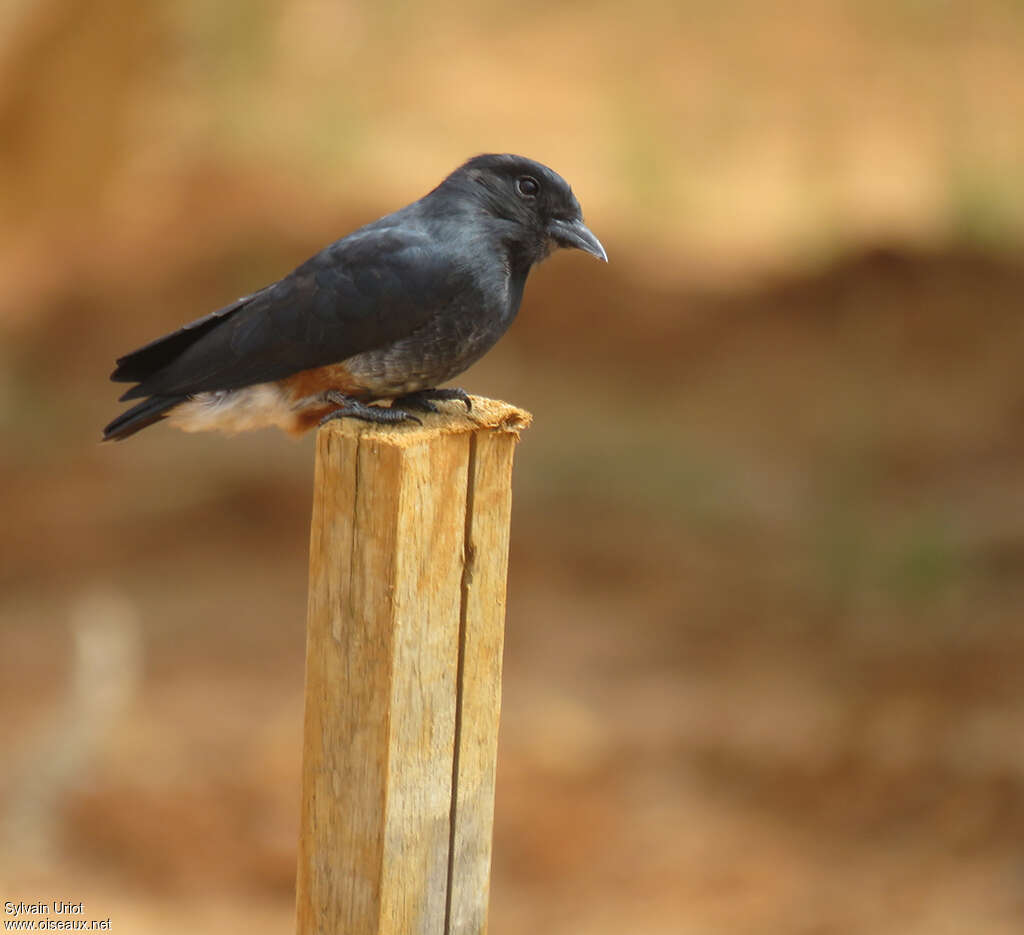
column 408, row 553
column 482, row 638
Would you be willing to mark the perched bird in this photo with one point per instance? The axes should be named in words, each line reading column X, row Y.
column 389, row 312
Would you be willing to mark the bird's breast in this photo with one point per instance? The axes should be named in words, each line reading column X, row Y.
column 446, row 345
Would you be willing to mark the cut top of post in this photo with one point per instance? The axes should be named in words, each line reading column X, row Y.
column 453, row 419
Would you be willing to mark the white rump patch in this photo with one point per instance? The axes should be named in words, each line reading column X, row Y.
column 262, row 405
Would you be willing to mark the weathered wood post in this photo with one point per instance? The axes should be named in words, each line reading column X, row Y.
column 408, row 557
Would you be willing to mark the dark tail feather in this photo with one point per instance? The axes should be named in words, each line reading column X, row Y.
column 141, row 364
column 138, row 417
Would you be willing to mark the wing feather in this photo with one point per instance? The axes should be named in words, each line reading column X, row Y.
column 363, row 292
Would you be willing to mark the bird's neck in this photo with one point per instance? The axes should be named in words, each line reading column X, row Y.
column 524, row 254
column 516, row 284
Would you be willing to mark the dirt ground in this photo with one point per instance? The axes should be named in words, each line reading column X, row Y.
column 764, row 650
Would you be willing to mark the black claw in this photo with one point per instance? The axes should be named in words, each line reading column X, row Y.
column 349, row 408
column 415, row 402
column 422, row 401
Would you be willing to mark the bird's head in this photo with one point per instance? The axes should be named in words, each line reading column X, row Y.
column 538, row 205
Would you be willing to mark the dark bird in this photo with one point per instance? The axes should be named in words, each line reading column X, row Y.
column 389, row 312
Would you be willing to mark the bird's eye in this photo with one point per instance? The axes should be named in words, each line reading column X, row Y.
column 527, row 186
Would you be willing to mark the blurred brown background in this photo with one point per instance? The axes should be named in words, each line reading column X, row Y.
column 764, row 654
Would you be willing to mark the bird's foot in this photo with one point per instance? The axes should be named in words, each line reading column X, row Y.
column 423, row 400
column 349, row 408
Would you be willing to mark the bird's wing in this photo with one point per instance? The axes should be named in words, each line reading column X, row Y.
column 363, row 292
column 142, row 363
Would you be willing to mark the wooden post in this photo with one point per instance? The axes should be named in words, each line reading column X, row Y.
column 408, row 556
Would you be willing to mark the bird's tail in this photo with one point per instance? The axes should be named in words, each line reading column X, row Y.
column 138, row 417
